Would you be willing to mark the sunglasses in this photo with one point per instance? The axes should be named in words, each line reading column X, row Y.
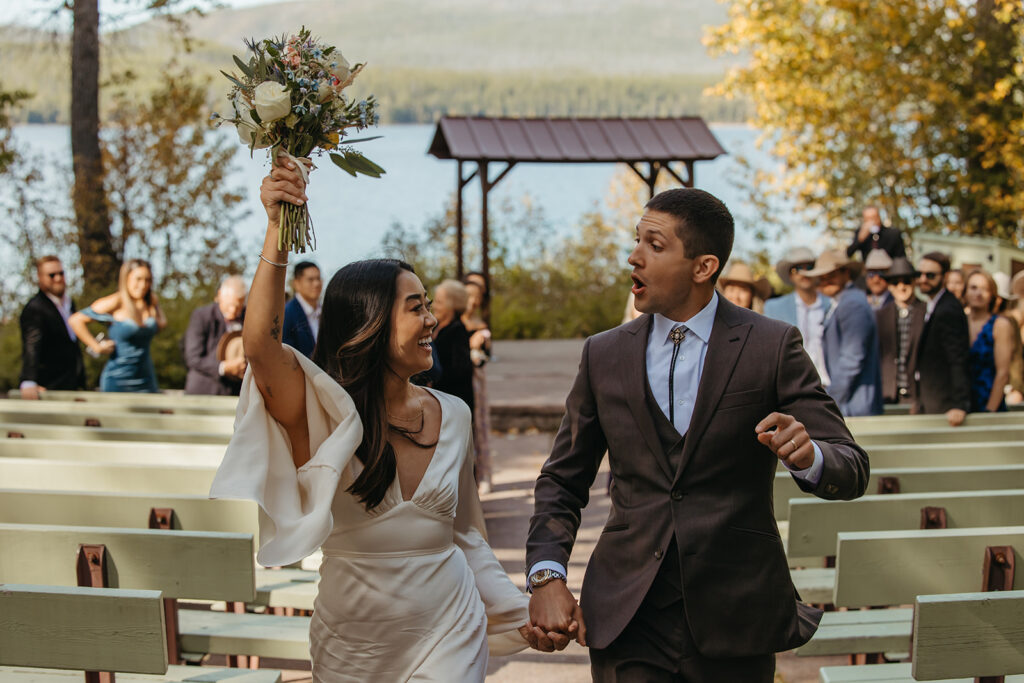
column 905, row 280
column 931, row 276
column 803, row 266
column 59, row 273
column 876, row 273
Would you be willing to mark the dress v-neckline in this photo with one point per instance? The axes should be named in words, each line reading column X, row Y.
column 433, row 456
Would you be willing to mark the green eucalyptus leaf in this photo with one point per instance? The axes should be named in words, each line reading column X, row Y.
column 352, row 142
column 233, row 79
column 243, row 66
column 340, row 162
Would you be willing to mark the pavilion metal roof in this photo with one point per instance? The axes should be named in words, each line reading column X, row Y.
column 574, row 140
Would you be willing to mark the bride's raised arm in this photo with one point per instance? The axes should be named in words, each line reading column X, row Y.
column 277, row 373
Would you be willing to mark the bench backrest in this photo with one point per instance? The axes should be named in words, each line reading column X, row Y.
column 162, row 399
column 902, row 423
column 135, row 452
column 126, row 510
column 911, row 480
column 70, row 475
column 168, row 407
column 945, row 454
column 814, row 523
column 181, row 564
column 202, row 424
column 30, row 430
column 91, row 629
column 984, row 434
column 894, row 567
column 968, row 634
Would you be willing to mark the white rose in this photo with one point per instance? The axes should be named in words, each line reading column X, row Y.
column 324, row 91
column 342, row 68
column 272, row 101
column 247, row 129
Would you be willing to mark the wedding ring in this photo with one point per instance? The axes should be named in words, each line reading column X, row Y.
column 794, row 446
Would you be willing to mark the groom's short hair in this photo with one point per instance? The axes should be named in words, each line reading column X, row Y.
column 703, row 222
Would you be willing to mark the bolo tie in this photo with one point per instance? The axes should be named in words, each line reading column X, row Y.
column 677, row 335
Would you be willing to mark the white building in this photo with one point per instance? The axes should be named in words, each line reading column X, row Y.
column 967, row 253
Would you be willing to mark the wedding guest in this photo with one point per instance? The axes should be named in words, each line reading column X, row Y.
column 206, row 328
column 739, row 286
column 955, row 284
column 50, row 357
column 344, row 455
column 875, row 267
column 302, row 313
column 900, row 323
column 479, row 353
column 452, row 341
column 943, row 380
column 873, row 235
column 992, row 344
column 850, row 338
column 804, row 307
column 133, row 316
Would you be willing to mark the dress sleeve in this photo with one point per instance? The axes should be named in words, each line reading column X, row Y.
column 294, row 504
column 98, row 317
column 507, row 607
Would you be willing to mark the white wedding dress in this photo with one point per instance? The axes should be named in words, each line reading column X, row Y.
column 408, row 592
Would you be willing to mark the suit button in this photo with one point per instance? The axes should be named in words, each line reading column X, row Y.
column 677, row 494
column 831, row 489
column 658, row 554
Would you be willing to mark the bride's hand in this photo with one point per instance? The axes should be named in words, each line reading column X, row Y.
column 284, row 184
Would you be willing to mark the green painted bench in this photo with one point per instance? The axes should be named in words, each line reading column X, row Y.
column 912, row 480
column 961, row 635
column 114, row 452
column 169, row 408
column 894, row 567
column 965, row 434
column 201, row 424
column 74, row 475
column 29, row 430
column 170, row 400
column 93, row 629
column 891, row 423
column 973, row 453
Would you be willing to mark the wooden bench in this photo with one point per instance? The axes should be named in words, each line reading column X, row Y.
column 170, row 408
column 963, row 634
column 937, row 436
column 202, row 424
column 908, row 480
column 28, row 430
column 893, row 568
column 892, row 423
column 973, row 453
column 171, row 400
column 93, row 629
column 74, row 475
column 114, row 452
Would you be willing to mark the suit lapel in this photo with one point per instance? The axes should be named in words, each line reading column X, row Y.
column 728, row 337
column 633, row 374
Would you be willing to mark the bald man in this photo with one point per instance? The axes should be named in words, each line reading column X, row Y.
column 207, row 374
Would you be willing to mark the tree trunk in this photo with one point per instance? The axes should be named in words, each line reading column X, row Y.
column 99, row 261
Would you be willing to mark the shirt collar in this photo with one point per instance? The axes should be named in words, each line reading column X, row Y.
column 309, row 310
column 818, row 302
column 62, row 303
column 700, row 324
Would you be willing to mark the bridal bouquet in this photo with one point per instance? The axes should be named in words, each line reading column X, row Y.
column 290, row 98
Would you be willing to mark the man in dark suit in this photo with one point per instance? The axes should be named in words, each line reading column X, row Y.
column 900, row 323
column 943, row 379
column 207, row 374
column 695, row 403
column 50, row 357
column 302, row 313
column 873, row 235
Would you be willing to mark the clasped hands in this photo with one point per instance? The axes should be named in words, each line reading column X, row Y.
column 555, row 618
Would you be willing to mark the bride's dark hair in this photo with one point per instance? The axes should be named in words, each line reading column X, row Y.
column 352, row 347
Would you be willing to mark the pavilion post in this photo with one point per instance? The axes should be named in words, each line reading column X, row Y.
column 459, row 263
column 485, row 233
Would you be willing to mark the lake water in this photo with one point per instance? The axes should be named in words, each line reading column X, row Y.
column 351, row 215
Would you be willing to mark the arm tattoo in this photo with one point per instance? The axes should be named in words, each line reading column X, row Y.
column 275, row 331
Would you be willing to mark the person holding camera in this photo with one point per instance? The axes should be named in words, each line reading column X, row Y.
column 133, row 317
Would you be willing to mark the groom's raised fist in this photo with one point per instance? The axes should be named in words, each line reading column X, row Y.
column 788, row 440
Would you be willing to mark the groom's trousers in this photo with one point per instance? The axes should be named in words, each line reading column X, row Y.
column 657, row 646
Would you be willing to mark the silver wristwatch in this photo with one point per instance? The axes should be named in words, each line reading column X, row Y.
column 543, row 576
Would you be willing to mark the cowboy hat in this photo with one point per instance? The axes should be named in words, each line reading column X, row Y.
column 877, row 260
column 900, row 268
column 1003, row 288
column 739, row 273
column 1017, row 285
column 831, row 261
column 794, row 257
column 229, row 347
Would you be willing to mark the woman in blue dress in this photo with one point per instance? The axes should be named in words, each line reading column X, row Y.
column 133, row 317
column 991, row 344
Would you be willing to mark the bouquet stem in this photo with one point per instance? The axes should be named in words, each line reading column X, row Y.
column 295, row 229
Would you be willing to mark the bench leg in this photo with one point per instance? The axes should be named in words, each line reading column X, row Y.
column 171, row 619
column 99, row 677
column 239, row 661
column 867, row 658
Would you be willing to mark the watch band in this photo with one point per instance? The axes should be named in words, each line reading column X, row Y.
column 544, row 576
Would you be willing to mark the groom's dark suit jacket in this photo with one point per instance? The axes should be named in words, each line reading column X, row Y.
column 712, row 490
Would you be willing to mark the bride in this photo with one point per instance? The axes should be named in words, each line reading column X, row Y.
column 343, row 452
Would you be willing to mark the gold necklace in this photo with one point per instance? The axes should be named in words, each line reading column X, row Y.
column 408, row 419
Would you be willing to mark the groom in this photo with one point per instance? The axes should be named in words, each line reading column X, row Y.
column 694, row 402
